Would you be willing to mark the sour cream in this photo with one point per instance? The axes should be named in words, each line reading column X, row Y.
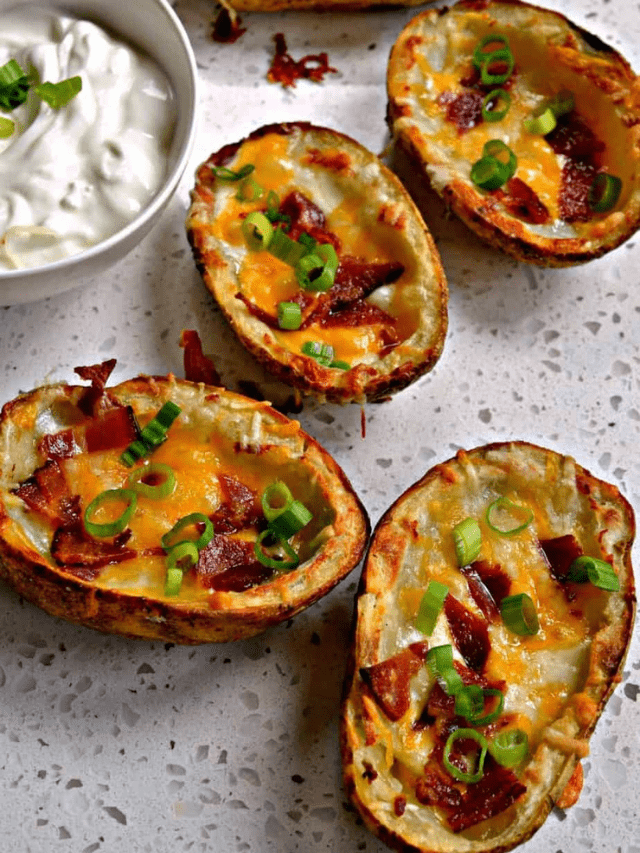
column 72, row 177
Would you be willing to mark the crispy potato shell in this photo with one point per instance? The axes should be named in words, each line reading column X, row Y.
column 315, row 5
column 557, row 681
column 433, row 117
column 390, row 334
column 217, row 432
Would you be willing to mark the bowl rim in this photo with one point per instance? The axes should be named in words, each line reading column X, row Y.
column 164, row 193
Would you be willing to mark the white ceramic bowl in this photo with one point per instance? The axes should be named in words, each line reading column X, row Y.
column 153, row 26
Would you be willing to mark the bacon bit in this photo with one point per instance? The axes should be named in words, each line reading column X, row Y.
column 46, row 492
column 464, row 109
column 337, row 161
column 560, row 553
column 197, row 366
column 576, row 182
column 442, row 704
column 113, row 428
column 522, row 201
column 574, row 139
column 436, row 789
column 470, row 633
column 488, row 585
column 306, row 217
column 239, row 507
column 95, row 398
column 399, row 805
column 97, row 374
column 370, row 773
column 226, row 27
column 496, row 791
column 230, row 565
column 389, row 680
column 59, row 445
column 286, row 70
column 82, row 555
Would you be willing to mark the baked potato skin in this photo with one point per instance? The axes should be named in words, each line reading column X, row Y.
column 339, row 160
column 554, row 772
column 580, row 55
column 316, row 5
column 224, row 616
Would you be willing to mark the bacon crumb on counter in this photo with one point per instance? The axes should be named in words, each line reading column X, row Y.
column 227, row 27
column 286, row 70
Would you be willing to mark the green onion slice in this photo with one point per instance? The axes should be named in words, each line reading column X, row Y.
column 14, row 85
column 489, row 173
column 275, row 499
column 562, row 102
column 480, row 55
column 152, row 434
column 289, row 561
column 509, row 747
column 471, row 704
column 183, row 556
column 491, row 109
column 257, row 230
column 541, row 122
column 440, row 662
column 467, row 539
column 58, row 95
column 598, row 572
column 464, row 734
column 497, row 57
column 175, row 536
column 340, row 365
column 249, row 190
column 604, row 192
column 519, row 614
column 285, row 249
column 292, row 519
column 225, row 174
column 499, row 150
column 289, row 315
column 173, row 581
column 153, row 480
column 110, row 528
column 430, row 606
column 307, row 241
column 7, row 126
column 508, row 518
column 323, row 353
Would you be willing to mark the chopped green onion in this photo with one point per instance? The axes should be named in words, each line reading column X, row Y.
column 7, row 126
column 509, row 747
column 14, row 86
column 519, row 614
column 152, row 434
column 497, row 57
column 307, row 267
column 467, row 539
column 163, row 480
column 275, row 499
column 499, row 150
column 340, row 365
column 173, row 581
column 292, row 519
column 117, row 525
column 257, row 230
column 471, row 704
column 224, row 174
column 491, row 109
column 604, row 192
column 58, row 95
column 562, row 103
column 273, row 205
column 307, row 241
column 312, row 348
column 289, row 561
column 317, row 270
column 541, row 122
column 598, row 572
column 289, row 315
column 440, row 662
column 430, row 606
column 249, row 190
column 460, row 775
column 175, row 535
column 285, row 249
column 480, row 56
column 508, row 518
column 489, row 173
column 322, row 353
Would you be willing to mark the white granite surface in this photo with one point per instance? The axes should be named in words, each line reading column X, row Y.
column 128, row 747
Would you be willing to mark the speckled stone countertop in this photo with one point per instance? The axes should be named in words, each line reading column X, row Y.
column 115, row 745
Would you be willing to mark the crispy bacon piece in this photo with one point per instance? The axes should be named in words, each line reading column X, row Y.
column 524, row 202
column 463, row 109
column 303, row 216
column 442, row 704
column 560, row 553
column 389, row 679
column 239, row 507
column 95, row 398
column 81, row 554
column 46, row 492
column 488, row 585
column 435, row 788
column 470, row 633
column 59, row 445
column 227, row 28
column 230, row 565
column 197, row 366
column 111, row 429
column 496, row 791
column 286, row 70
column 582, row 150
